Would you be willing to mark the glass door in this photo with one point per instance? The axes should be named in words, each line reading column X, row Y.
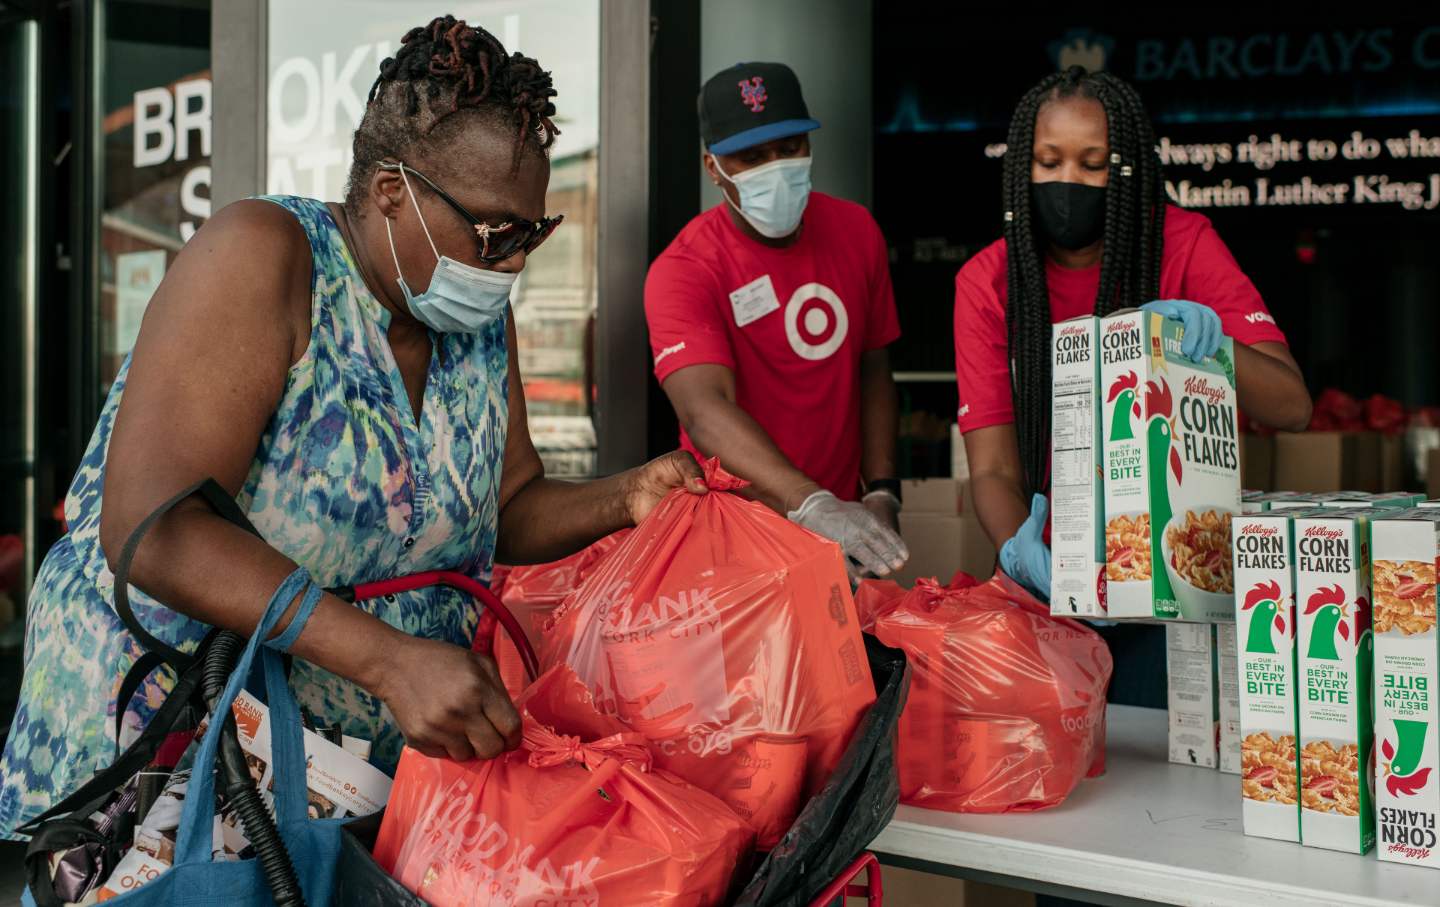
column 155, row 135
column 19, row 274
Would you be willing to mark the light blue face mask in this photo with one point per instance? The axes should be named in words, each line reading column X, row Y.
column 772, row 196
column 461, row 298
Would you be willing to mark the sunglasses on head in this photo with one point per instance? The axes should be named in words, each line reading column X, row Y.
column 497, row 241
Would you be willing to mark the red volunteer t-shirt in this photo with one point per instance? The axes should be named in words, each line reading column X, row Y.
column 790, row 323
column 1196, row 266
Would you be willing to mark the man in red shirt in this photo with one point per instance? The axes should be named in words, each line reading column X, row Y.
column 769, row 319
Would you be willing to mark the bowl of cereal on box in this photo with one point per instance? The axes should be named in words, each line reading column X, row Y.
column 1127, row 548
column 1196, row 547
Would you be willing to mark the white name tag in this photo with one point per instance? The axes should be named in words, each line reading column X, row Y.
column 754, row 301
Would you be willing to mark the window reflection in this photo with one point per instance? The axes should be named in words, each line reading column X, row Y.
column 323, row 58
column 156, row 143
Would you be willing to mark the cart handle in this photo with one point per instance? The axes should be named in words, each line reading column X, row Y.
column 495, row 610
column 872, row 891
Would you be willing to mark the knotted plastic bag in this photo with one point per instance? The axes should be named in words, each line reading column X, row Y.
column 727, row 636
column 532, row 593
column 1007, row 704
column 575, row 816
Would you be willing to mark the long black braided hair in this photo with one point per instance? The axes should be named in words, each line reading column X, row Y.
column 443, row 68
column 1130, row 263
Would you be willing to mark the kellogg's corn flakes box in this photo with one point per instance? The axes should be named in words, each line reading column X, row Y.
column 1077, row 522
column 1172, row 472
column 1407, row 678
column 1336, row 646
column 1265, row 638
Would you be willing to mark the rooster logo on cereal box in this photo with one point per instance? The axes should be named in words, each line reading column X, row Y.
column 1263, row 603
column 1159, row 438
column 1330, row 608
column 1123, row 391
column 1401, row 775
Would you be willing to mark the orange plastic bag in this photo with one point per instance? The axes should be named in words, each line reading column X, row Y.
column 575, row 816
column 1007, row 704
column 532, row 593
column 727, row 636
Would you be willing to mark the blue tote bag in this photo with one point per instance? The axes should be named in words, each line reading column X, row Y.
column 195, row 880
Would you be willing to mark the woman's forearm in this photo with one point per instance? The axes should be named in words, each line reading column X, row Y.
column 1269, row 386
column 549, row 519
column 1000, row 504
column 201, row 566
column 879, row 417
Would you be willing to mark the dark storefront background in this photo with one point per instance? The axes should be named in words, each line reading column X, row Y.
column 1260, row 123
column 109, row 136
column 155, row 130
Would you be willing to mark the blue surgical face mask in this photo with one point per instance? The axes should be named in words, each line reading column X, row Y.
column 461, row 298
column 772, row 196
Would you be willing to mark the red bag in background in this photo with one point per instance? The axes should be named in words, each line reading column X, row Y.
column 1007, row 704
column 727, row 636
column 533, row 593
column 574, row 816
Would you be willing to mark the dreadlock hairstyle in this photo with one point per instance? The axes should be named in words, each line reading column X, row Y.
column 1130, row 263
column 441, row 69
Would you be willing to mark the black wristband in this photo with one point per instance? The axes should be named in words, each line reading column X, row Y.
column 890, row 485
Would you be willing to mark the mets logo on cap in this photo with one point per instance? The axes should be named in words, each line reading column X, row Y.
column 752, row 92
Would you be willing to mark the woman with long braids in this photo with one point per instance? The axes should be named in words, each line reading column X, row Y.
column 1088, row 230
column 348, row 373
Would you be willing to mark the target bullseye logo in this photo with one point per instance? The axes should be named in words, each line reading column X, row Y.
column 815, row 321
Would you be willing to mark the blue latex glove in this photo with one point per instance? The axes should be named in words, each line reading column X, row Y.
column 1025, row 558
column 1202, row 326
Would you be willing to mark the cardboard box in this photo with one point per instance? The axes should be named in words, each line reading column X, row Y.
column 959, row 460
column 1227, row 668
column 1194, row 694
column 1257, row 461
column 1368, row 467
column 935, row 496
column 1322, row 461
column 1264, row 502
column 1265, row 637
column 1172, row 477
column 1314, row 461
column 1077, row 527
column 941, row 543
column 912, row 888
column 1392, row 463
column 1349, row 501
column 1336, row 646
column 1407, row 678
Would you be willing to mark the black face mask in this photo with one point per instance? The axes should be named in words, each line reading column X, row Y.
column 1071, row 215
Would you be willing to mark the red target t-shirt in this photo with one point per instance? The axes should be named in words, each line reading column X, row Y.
column 1195, row 265
column 790, row 323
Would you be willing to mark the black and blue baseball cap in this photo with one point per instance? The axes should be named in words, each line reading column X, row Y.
column 750, row 104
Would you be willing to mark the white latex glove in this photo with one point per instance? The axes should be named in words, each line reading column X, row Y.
column 864, row 539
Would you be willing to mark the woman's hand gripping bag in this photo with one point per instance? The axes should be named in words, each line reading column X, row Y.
column 575, row 816
column 532, row 593
column 1007, row 704
column 727, row 636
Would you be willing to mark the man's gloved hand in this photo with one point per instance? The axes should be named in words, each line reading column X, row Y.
column 885, row 507
column 864, row 539
column 1202, row 326
column 1025, row 558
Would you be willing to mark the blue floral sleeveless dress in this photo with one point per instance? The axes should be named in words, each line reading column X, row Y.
column 346, row 482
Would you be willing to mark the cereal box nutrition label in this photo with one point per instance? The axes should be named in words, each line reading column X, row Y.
column 1077, row 514
column 1193, row 693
